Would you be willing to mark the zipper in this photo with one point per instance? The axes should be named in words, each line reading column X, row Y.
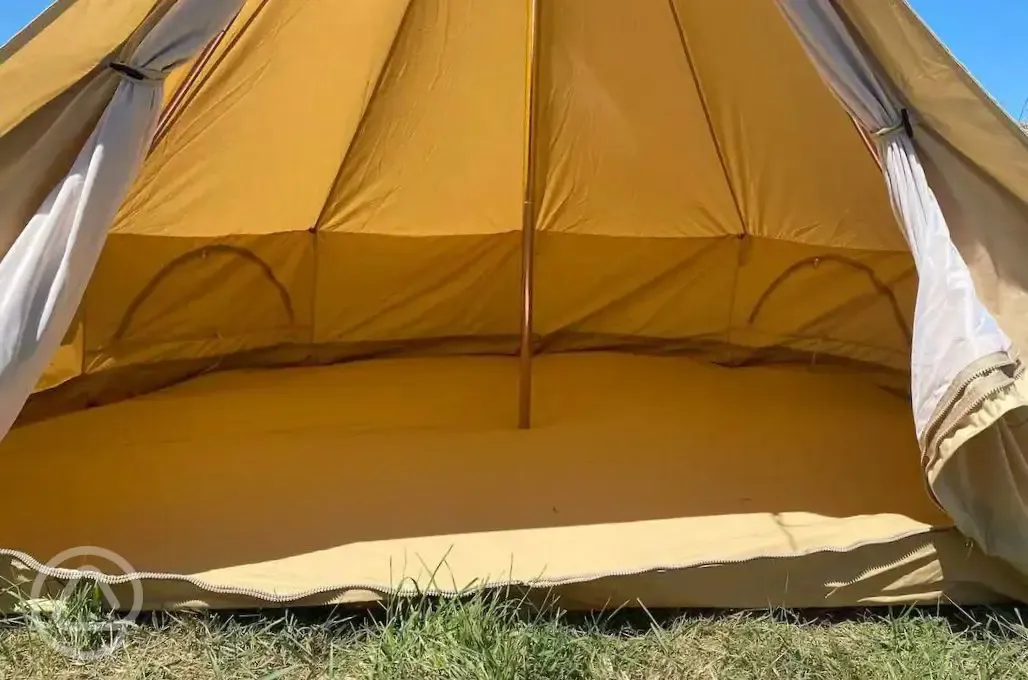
column 947, row 420
column 984, row 397
column 958, row 391
column 276, row 598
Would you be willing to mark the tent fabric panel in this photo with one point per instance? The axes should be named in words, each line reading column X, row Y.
column 926, row 570
column 440, row 150
column 971, row 200
column 923, row 569
column 755, row 294
column 976, row 459
column 622, row 144
column 800, row 170
column 379, row 288
column 68, row 361
column 37, row 154
column 258, row 148
column 63, row 51
column 643, row 287
column 184, row 84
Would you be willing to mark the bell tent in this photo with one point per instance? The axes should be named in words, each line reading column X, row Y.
column 677, row 302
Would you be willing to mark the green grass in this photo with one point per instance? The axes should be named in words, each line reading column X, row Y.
column 491, row 637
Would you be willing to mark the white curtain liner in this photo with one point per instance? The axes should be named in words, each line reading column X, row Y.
column 952, row 328
column 44, row 274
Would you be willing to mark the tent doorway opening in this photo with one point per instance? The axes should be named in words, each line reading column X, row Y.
column 294, row 376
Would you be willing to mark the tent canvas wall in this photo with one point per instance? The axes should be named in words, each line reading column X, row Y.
column 369, row 238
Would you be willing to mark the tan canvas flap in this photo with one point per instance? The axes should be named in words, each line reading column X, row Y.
column 976, row 457
column 975, row 155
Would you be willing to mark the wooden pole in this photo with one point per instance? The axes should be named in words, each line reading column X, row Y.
column 528, row 222
column 872, row 148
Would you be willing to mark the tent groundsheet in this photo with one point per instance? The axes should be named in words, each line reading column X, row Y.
column 298, row 485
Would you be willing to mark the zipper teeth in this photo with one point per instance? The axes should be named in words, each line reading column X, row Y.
column 253, row 593
column 957, row 394
column 1019, row 371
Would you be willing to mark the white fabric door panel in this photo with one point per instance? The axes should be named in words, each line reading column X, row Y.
column 44, row 274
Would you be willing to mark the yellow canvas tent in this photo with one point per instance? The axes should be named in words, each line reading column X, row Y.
column 595, row 295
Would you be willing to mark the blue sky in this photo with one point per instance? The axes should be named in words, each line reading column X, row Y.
column 989, row 36
column 16, row 13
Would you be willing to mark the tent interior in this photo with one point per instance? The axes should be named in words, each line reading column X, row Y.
column 295, row 375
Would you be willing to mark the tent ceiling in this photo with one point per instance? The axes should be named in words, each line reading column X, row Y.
column 338, row 175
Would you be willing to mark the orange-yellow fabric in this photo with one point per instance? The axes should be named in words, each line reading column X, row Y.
column 386, row 208
column 347, row 182
column 324, row 478
column 65, row 44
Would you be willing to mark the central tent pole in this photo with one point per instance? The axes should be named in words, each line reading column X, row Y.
column 528, row 222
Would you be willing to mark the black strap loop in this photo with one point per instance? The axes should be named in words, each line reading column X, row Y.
column 905, row 121
column 128, row 71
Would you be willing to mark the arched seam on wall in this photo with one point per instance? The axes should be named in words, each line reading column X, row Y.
column 199, row 253
column 878, row 284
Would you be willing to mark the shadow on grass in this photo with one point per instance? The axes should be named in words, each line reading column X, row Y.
column 977, row 622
